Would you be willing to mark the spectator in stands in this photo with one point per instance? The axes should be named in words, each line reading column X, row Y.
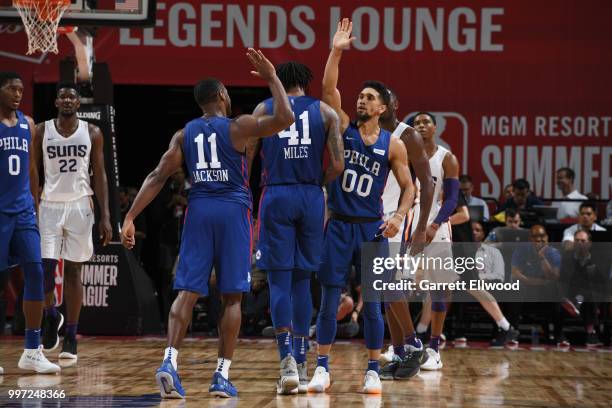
column 493, row 270
column 584, row 284
column 507, row 193
column 586, row 221
column 513, row 221
column 537, row 267
column 565, row 183
column 467, row 187
column 522, row 196
column 608, row 220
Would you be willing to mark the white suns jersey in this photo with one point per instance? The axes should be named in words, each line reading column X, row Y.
column 437, row 173
column 66, row 161
column 391, row 193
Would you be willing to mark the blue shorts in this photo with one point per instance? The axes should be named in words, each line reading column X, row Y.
column 216, row 234
column 19, row 238
column 342, row 249
column 290, row 227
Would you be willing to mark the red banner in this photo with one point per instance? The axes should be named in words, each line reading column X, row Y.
column 522, row 88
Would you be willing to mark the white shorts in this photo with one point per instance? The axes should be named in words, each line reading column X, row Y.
column 65, row 229
column 439, row 253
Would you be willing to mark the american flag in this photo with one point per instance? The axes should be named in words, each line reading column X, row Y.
column 128, row 5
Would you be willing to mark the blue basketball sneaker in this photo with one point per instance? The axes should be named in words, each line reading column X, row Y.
column 220, row 387
column 168, row 381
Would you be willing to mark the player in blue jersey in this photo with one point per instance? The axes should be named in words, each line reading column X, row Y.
column 217, row 230
column 19, row 236
column 356, row 213
column 291, row 215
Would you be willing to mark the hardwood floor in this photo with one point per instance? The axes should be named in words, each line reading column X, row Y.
column 120, row 372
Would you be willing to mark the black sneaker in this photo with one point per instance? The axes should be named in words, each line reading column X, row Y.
column 411, row 364
column 50, row 327
column 388, row 370
column 593, row 340
column 69, row 348
column 506, row 338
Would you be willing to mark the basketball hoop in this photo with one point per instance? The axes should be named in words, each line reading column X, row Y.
column 64, row 30
column 41, row 19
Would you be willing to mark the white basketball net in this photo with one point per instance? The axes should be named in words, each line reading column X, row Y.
column 41, row 19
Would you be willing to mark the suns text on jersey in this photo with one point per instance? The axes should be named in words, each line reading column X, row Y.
column 13, row 143
column 210, row 175
column 354, row 157
column 296, row 152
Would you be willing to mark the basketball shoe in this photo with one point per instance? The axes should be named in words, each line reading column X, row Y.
column 35, row 360
column 168, row 381
column 320, row 380
column 289, row 378
column 221, row 387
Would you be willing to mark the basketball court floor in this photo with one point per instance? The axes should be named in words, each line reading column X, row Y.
column 115, row 371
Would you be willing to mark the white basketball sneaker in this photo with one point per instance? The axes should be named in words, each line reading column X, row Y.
column 35, row 360
column 371, row 383
column 433, row 360
column 289, row 379
column 387, row 356
column 320, row 380
column 303, row 374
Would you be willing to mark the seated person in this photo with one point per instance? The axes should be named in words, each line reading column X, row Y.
column 512, row 220
column 586, row 221
column 584, row 284
column 536, row 266
column 467, row 187
column 565, row 183
column 522, row 197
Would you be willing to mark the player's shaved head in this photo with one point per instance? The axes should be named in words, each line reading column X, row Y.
column 294, row 74
column 206, row 90
column 66, row 85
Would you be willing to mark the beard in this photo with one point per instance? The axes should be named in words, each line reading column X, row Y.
column 363, row 117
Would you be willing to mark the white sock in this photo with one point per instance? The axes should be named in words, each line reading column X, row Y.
column 171, row 353
column 223, row 366
column 503, row 324
column 421, row 328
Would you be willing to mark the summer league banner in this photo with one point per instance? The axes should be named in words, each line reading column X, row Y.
column 118, row 297
column 509, row 272
column 520, row 88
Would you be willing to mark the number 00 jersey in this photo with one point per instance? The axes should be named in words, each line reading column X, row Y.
column 216, row 169
column 66, row 161
column 358, row 192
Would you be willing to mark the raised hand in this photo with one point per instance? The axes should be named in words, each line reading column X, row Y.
column 342, row 38
column 263, row 67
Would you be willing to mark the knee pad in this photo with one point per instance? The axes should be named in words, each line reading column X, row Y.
column 33, row 282
column 49, row 266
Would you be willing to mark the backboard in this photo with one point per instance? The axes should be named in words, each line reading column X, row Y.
column 96, row 13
